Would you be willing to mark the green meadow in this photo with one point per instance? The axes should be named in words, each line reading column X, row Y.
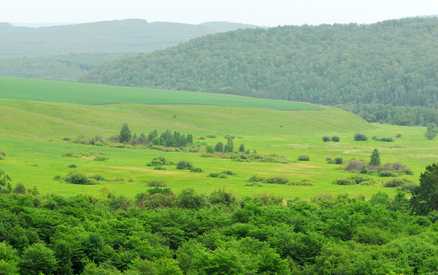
column 37, row 115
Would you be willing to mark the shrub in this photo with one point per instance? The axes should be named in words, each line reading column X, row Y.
column 221, row 197
column 394, row 183
column 217, row 175
column 184, row 165
column 19, row 189
column 354, row 181
column 2, row 155
column 304, row 158
column 159, row 161
column 72, row 166
column 77, row 178
column 196, row 170
column 189, row 199
column 101, row 158
column 386, row 174
column 272, row 180
column 325, row 138
column 360, row 137
column 355, row 166
column 336, row 139
column 339, row 161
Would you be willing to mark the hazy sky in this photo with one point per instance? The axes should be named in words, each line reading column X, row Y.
column 260, row 12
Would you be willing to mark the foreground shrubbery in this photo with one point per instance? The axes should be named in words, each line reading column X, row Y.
column 191, row 233
column 160, row 232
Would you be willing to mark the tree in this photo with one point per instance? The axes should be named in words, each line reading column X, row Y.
column 375, row 158
column 8, row 259
column 125, row 134
column 425, row 197
column 229, row 147
column 219, row 148
column 431, row 132
column 38, row 259
column 242, row 148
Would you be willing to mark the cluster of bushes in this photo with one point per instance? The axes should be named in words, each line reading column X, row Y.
column 190, row 233
column 222, row 175
column 167, row 138
column 337, row 160
column 403, row 184
column 303, row 158
column 159, row 163
column 272, row 180
column 81, row 179
column 375, row 167
column 360, row 137
column 355, row 180
column 185, row 165
column 333, row 139
column 384, row 139
column 96, row 140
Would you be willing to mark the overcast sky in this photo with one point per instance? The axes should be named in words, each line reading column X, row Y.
column 260, row 12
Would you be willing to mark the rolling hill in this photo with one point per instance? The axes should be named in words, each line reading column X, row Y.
column 383, row 65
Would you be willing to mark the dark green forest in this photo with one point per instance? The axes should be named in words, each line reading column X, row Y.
column 160, row 232
column 392, row 63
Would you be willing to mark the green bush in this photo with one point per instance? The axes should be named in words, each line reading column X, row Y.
column 77, row 178
column 360, row 137
column 184, row 165
column 304, row 158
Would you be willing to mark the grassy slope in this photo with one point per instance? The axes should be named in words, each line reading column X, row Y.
column 32, row 128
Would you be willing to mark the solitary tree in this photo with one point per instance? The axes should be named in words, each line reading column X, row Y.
column 219, row 147
column 425, row 196
column 375, row 158
column 125, row 134
column 431, row 132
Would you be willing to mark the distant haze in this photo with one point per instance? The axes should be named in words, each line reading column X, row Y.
column 265, row 13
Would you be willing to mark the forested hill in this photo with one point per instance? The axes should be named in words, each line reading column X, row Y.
column 132, row 35
column 390, row 63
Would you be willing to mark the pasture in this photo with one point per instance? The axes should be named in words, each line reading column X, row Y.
column 36, row 117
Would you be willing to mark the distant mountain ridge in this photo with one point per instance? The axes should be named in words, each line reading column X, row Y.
column 67, row 52
column 121, row 36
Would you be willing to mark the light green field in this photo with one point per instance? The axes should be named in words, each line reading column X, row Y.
column 36, row 115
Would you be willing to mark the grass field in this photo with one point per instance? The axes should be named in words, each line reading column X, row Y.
column 36, row 115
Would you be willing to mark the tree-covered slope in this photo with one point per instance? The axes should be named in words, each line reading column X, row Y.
column 390, row 63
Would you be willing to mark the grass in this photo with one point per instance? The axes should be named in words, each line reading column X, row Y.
column 36, row 115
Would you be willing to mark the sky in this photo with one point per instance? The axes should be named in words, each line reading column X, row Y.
column 258, row 12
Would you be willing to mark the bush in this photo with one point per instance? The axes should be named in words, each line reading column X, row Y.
column 386, row 174
column 272, row 180
column 355, row 166
column 354, row 181
column 384, row 139
column 217, row 175
column 77, row 178
column 304, row 158
column 221, row 197
column 2, row 155
column 394, row 183
column 159, row 161
column 339, row 161
column 72, row 166
column 184, row 165
column 19, row 189
column 325, row 138
column 336, row 139
column 360, row 137
column 100, row 158
column 189, row 199
column 196, row 170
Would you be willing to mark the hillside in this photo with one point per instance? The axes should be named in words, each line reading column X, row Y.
column 68, row 52
column 392, row 63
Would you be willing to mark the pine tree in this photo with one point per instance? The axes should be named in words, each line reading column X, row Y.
column 375, row 158
column 219, row 147
column 242, row 148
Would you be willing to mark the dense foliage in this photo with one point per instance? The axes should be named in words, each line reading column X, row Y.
column 163, row 233
column 391, row 63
